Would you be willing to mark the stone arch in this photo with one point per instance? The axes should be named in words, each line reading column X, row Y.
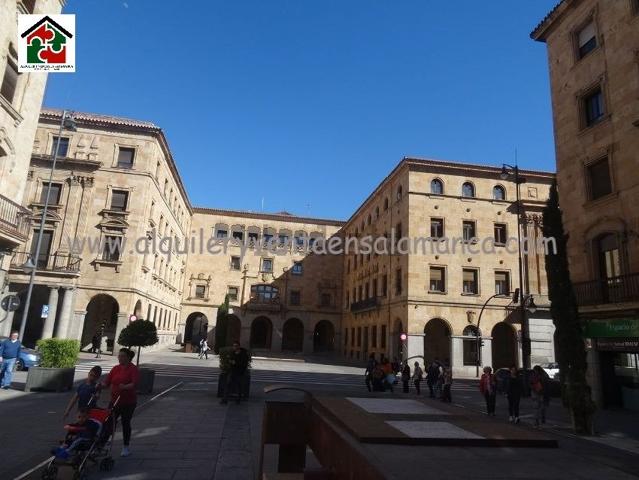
column 196, row 328
column 261, row 333
column 504, row 346
column 324, row 337
column 437, row 340
column 101, row 318
column 293, row 335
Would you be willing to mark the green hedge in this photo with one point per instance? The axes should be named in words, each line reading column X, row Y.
column 58, row 352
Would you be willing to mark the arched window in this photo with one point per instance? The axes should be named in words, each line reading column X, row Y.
column 386, row 204
column 468, row 190
column 400, row 192
column 499, row 192
column 376, row 213
column 368, row 219
column 437, row 186
column 470, row 345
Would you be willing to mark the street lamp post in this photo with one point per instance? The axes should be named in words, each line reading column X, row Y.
column 66, row 122
column 525, row 336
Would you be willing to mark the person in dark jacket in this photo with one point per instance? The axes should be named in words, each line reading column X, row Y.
column 513, row 393
column 9, row 353
column 239, row 364
column 368, row 373
column 488, row 388
column 432, row 377
column 405, row 377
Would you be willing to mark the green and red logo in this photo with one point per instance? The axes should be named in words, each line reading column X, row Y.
column 46, row 43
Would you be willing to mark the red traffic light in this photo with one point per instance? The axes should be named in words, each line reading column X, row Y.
column 132, row 318
column 403, row 337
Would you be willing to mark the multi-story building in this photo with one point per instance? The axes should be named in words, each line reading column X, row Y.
column 459, row 224
column 20, row 101
column 593, row 55
column 115, row 191
column 281, row 296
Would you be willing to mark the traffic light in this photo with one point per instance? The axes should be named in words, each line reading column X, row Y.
column 516, row 296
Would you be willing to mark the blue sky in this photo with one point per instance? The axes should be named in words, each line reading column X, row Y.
column 309, row 104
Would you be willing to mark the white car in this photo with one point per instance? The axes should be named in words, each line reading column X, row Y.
column 552, row 369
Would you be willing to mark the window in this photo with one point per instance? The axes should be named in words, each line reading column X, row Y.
column 267, row 265
column 437, row 279
column 468, row 190
column 593, row 107
column 586, row 40
column 221, row 233
column 374, row 336
column 398, row 281
column 125, row 157
column 232, row 293
column 54, row 193
column 383, row 337
column 264, row 293
column 347, row 296
column 502, row 283
column 112, row 247
column 470, row 345
column 119, row 200
column 499, row 192
column 468, row 230
column 599, row 179
column 366, row 291
column 63, row 148
column 352, row 339
column 200, row 291
column 609, row 259
column 436, row 187
column 359, row 336
column 325, row 300
column 45, row 247
column 9, row 80
column 297, row 268
column 267, row 238
column 299, row 241
column 501, row 234
column 635, row 7
column 470, row 283
column 283, row 240
column 235, row 263
column 238, row 235
column 437, row 228
column 253, row 238
column 384, row 285
column 345, row 337
column 385, row 204
column 374, row 288
column 295, row 297
column 400, row 193
column 29, row 5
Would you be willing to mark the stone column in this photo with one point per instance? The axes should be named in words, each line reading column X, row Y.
column 49, row 322
column 123, row 321
column 456, row 355
column 62, row 328
column 75, row 331
column 5, row 325
column 487, row 352
column 415, row 347
column 276, row 340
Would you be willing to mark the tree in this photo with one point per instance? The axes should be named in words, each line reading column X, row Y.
column 221, row 325
column 570, row 348
column 139, row 333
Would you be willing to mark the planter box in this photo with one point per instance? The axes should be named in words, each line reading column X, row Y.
column 245, row 384
column 50, row 379
column 147, row 378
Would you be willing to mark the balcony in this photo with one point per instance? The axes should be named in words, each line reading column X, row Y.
column 260, row 303
column 64, row 263
column 364, row 305
column 14, row 227
column 624, row 288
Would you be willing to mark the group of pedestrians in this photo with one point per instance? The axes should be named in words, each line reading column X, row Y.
column 381, row 376
column 514, row 390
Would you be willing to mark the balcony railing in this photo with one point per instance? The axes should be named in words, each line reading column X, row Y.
column 258, row 302
column 367, row 304
column 57, row 262
column 624, row 288
column 13, row 219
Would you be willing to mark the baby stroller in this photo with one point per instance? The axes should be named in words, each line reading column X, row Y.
column 80, row 455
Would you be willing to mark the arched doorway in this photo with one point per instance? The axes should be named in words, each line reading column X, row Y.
column 293, row 335
column 436, row 340
column 196, row 328
column 324, row 337
column 504, row 346
column 233, row 329
column 102, row 316
column 261, row 333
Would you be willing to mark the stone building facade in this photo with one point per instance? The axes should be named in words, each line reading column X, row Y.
column 434, row 291
column 20, row 101
column 115, row 191
column 593, row 56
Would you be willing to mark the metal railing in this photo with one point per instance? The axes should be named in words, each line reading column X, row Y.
column 13, row 218
column 624, row 288
column 57, row 262
column 367, row 304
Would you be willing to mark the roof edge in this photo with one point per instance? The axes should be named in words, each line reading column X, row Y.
column 268, row 216
column 540, row 32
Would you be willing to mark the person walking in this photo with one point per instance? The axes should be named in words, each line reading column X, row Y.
column 488, row 388
column 204, row 349
column 418, row 374
column 87, row 393
column 239, row 364
column 537, row 392
column 405, row 377
column 123, row 380
column 432, row 377
column 513, row 393
column 446, row 379
column 389, row 376
column 96, row 344
column 9, row 353
column 368, row 373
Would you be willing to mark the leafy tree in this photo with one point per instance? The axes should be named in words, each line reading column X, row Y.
column 221, row 325
column 571, row 353
column 139, row 333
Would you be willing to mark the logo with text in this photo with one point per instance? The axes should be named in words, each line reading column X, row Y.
column 46, row 43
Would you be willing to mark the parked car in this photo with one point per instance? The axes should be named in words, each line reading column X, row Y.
column 28, row 358
column 552, row 369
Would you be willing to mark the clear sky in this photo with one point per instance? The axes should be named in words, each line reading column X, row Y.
column 309, row 104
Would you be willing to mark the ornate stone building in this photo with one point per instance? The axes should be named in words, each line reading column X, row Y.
column 20, row 101
column 593, row 56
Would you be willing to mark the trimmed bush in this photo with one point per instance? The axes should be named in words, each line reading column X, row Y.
column 58, row 352
column 225, row 359
column 139, row 333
